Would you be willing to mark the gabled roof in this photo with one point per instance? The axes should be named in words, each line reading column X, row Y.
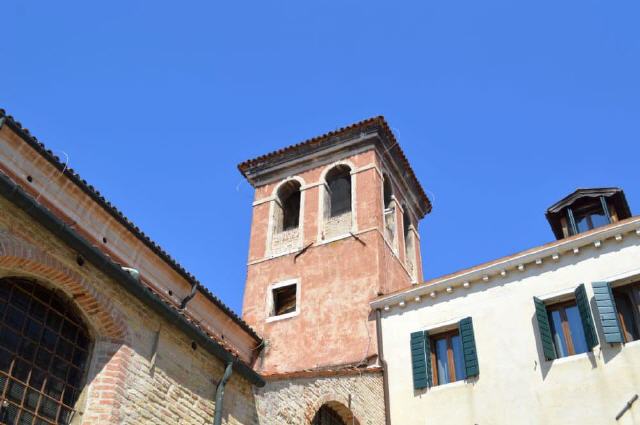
column 252, row 167
column 95, row 195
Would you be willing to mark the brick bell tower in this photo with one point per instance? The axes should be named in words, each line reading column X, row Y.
column 334, row 225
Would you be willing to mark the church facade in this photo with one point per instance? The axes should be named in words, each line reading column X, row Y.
column 101, row 326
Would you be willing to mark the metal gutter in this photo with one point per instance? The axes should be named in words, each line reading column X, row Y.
column 15, row 194
column 88, row 189
column 385, row 371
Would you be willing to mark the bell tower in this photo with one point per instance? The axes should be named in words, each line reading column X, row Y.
column 335, row 224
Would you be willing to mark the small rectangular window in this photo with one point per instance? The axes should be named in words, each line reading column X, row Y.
column 447, row 359
column 566, row 329
column 627, row 299
column 284, row 299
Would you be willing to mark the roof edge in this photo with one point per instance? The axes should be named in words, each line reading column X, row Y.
column 15, row 194
column 487, row 270
column 378, row 123
column 95, row 195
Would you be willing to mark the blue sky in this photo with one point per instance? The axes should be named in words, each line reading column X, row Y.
column 502, row 107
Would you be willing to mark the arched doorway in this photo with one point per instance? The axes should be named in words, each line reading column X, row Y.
column 327, row 416
column 44, row 347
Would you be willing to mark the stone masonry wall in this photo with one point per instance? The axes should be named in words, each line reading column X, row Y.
column 295, row 401
column 122, row 385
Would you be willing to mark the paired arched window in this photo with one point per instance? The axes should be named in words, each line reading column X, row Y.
column 44, row 347
column 289, row 206
column 339, row 186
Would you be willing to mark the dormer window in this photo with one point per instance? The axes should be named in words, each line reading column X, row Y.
column 587, row 209
column 592, row 215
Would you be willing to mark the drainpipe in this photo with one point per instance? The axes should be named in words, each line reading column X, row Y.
column 383, row 362
column 217, row 419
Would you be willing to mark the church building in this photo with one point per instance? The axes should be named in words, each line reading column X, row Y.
column 100, row 325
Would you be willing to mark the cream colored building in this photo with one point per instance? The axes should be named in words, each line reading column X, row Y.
column 516, row 380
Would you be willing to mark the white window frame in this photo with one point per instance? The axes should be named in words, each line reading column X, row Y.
column 270, row 317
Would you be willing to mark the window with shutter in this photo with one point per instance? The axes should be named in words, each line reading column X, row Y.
column 566, row 328
column 420, row 366
column 627, row 305
column 470, row 355
column 447, row 358
column 607, row 312
column 544, row 329
column 584, row 310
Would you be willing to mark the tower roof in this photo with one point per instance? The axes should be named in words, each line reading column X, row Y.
column 374, row 130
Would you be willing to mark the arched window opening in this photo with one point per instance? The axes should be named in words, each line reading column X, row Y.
column 285, row 233
column 289, row 198
column 388, row 193
column 44, row 347
column 339, row 186
column 389, row 212
column 327, row 416
column 337, row 202
column 409, row 244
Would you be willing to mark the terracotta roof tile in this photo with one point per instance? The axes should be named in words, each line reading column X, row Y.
column 342, row 133
column 121, row 218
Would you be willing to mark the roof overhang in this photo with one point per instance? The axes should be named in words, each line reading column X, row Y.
column 97, row 197
column 502, row 267
column 374, row 132
column 16, row 195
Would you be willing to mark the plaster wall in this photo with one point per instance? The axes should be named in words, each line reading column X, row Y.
column 516, row 384
column 337, row 277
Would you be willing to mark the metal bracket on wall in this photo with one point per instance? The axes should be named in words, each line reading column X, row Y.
column 188, row 298
column 627, row 407
column 358, row 239
column 302, row 251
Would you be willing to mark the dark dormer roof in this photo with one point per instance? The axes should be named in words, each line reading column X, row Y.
column 615, row 196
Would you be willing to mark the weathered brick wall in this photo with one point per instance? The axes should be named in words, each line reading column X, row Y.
column 296, row 400
column 122, row 386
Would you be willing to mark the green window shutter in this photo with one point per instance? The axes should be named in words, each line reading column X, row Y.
column 545, row 330
column 421, row 360
column 585, row 316
column 607, row 311
column 465, row 328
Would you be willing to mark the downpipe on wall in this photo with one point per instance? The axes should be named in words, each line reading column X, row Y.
column 383, row 362
column 217, row 419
